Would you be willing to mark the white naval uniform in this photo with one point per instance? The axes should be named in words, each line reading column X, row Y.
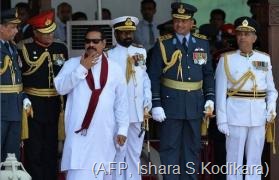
column 110, row 117
column 139, row 95
column 246, row 117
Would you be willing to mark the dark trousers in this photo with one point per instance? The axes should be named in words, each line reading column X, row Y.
column 10, row 138
column 41, row 150
column 180, row 146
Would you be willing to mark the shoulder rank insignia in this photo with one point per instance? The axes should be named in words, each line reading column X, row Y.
column 137, row 45
column 262, row 52
column 200, row 36
column 165, row 37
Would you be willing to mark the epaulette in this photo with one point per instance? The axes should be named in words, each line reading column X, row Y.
column 165, row 37
column 228, row 53
column 137, row 45
column 24, row 41
column 261, row 52
column 200, row 36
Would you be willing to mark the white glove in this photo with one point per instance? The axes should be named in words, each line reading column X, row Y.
column 26, row 103
column 158, row 114
column 271, row 113
column 224, row 128
column 209, row 104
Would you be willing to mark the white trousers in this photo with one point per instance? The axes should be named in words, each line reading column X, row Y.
column 85, row 174
column 248, row 140
column 128, row 156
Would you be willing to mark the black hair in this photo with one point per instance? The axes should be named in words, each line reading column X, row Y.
column 63, row 4
column 148, row 1
column 22, row 5
column 95, row 28
column 78, row 15
column 218, row 11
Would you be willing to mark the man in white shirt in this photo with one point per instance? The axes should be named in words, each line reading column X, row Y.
column 147, row 32
column 245, row 101
column 131, row 58
column 64, row 14
column 96, row 115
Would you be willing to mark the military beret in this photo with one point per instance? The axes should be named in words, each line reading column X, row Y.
column 182, row 10
column 10, row 16
column 125, row 23
column 246, row 24
column 228, row 29
column 44, row 22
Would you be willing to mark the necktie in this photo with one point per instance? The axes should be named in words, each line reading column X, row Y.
column 7, row 45
column 184, row 44
column 151, row 35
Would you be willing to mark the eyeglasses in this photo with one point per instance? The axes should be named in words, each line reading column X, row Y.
column 94, row 41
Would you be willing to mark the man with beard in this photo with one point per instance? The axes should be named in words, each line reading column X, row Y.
column 42, row 59
column 131, row 58
column 96, row 110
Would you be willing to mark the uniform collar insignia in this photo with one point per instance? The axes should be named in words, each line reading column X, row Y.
column 246, row 54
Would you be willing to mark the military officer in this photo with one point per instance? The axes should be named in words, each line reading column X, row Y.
column 131, row 58
column 246, row 100
column 11, row 85
column 182, row 88
column 42, row 59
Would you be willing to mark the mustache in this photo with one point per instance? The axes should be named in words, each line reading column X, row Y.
column 91, row 47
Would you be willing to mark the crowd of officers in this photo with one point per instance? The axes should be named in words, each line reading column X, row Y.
column 181, row 71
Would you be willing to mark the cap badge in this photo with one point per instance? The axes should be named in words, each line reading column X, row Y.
column 47, row 22
column 245, row 23
column 128, row 22
column 181, row 9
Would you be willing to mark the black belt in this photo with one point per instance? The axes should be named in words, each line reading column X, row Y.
column 248, row 94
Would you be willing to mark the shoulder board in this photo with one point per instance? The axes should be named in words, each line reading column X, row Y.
column 25, row 41
column 200, row 36
column 262, row 52
column 165, row 37
column 228, row 53
column 137, row 45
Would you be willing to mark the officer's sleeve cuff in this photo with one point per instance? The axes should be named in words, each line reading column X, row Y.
column 123, row 131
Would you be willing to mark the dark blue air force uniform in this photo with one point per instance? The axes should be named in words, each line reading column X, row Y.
column 181, row 89
column 10, row 91
column 11, row 100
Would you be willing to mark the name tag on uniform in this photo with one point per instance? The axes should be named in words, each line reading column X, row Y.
column 58, row 59
column 260, row 65
column 199, row 56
